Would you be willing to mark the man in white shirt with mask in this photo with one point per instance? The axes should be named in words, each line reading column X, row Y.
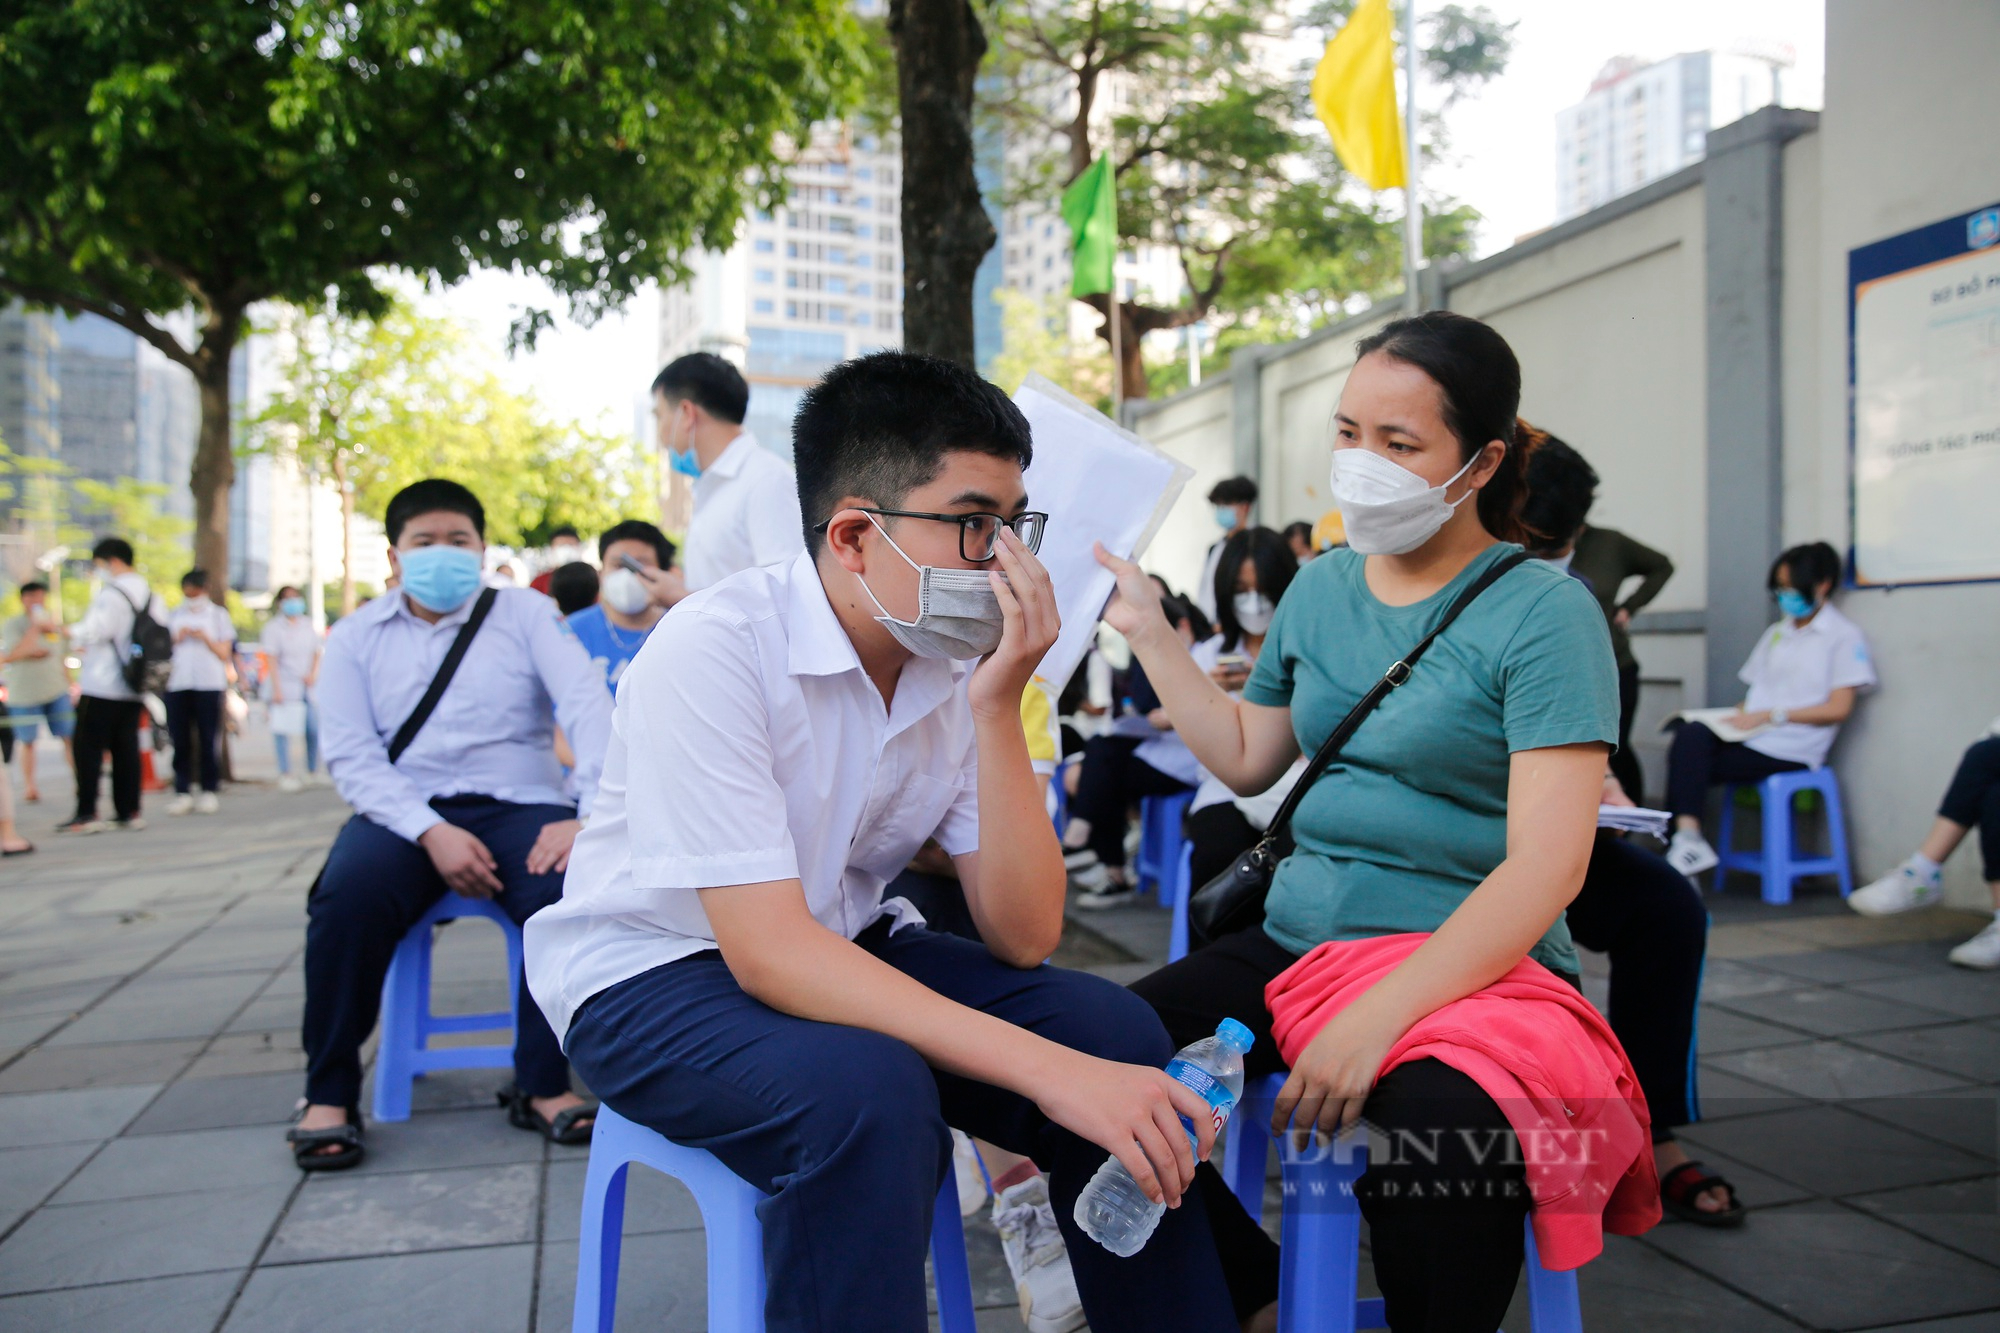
column 107, row 714
column 723, row 962
column 636, row 590
column 746, row 507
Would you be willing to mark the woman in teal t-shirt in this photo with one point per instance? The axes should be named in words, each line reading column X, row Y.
column 1464, row 806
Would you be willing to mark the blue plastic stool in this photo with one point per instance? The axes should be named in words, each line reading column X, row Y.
column 735, row 1238
column 1177, row 938
column 404, row 1055
column 1320, row 1245
column 1160, row 842
column 1778, row 861
column 1062, row 797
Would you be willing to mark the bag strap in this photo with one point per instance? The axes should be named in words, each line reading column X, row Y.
column 1398, row 672
column 448, row 668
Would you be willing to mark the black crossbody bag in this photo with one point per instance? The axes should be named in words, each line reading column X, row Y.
column 1234, row 900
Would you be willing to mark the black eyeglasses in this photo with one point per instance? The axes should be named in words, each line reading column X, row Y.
column 978, row 534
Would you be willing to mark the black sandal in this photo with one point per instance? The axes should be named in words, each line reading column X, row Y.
column 306, row 1144
column 1681, row 1186
column 521, row 1114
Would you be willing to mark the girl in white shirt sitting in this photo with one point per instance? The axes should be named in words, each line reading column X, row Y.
column 1803, row 676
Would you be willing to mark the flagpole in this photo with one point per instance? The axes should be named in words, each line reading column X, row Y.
column 1117, row 356
column 1413, row 211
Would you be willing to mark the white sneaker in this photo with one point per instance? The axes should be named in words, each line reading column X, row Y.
column 181, row 804
column 1036, row 1258
column 289, row 784
column 1903, row 889
column 1093, row 878
column 1981, row 951
column 1690, row 854
column 207, row 804
column 1082, row 858
column 1112, row 895
column 972, row 1191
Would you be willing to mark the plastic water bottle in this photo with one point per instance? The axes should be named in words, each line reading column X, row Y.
column 1113, row 1210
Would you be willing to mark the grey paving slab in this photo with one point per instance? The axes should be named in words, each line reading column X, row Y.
column 1969, row 1120
column 1723, row 1095
column 1832, row 1151
column 190, row 1304
column 1636, row 1289
column 1969, row 1050
column 188, row 1163
column 117, row 1064
column 487, row 1290
column 83, row 1115
column 270, row 1013
column 250, row 1053
column 29, row 1175
column 453, row 1089
column 348, row 1216
column 1719, row 1030
column 1985, row 1321
column 1827, row 1011
column 1836, row 1270
column 1830, row 1070
column 436, row 1140
column 1964, row 1215
column 662, row 1285
column 1951, row 990
column 216, row 1103
column 26, row 1030
column 1755, row 1188
column 1835, row 966
column 89, row 1243
column 653, row 1202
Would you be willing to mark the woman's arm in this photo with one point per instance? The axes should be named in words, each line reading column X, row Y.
column 1654, row 567
column 1552, row 798
column 1246, row 746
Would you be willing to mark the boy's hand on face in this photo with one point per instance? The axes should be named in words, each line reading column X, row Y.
column 1133, row 1112
column 1028, row 601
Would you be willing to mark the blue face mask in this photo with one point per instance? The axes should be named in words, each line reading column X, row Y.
column 684, row 462
column 293, row 606
column 440, row 578
column 1226, row 516
column 1795, row 604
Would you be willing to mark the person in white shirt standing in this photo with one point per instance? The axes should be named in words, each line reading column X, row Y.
column 204, row 649
column 1803, row 678
column 452, row 773
column 724, row 962
column 746, row 506
column 292, row 646
column 1233, row 498
column 107, row 713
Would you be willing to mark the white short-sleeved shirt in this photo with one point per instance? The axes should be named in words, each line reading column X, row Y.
column 1798, row 666
column 195, row 665
column 293, row 646
column 748, row 746
column 746, row 514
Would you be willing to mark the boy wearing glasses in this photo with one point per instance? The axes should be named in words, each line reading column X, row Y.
column 723, row 961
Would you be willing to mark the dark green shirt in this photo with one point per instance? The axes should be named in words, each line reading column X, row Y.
column 1413, row 816
column 1607, row 557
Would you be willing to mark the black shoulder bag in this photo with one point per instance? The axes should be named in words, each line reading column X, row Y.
column 1234, row 900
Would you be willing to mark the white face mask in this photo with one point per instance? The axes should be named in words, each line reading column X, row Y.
column 625, row 592
column 1254, row 611
column 1387, row 509
column 958, row 613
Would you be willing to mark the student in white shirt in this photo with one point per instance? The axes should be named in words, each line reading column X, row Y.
column 204, row 644
column 293, row 646
column 474, row 804
column 723, row 960
column 746, row 508
column 1804, row 675
column 1233, row 498
column 107, row 713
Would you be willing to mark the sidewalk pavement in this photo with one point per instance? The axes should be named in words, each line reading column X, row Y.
column 149, row 1060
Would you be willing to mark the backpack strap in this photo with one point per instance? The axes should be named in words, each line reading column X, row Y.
column 421, row 714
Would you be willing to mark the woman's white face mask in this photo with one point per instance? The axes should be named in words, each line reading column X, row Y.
column 1387, row 509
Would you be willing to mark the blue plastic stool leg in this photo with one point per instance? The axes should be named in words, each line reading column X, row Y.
column 1183, row 887
column 405, row 998
column 1553, row 1306
column 1246, row 1144
column 949, row 1269
column 599, row 1246
column 1319, row 1255
column 1725, row 839
column 1836, row 835
column 1777, row 802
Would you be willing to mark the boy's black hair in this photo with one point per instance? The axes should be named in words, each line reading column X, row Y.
column 1233, row 491
column 1299, row 529
column 638, row 530
column 709, row 382
column 574, row 586
column 284, row 588
column 564, row 530
column 195, row 578
column 33, row 585
column 1806, row 567
column 1561, row 489
column 1268, row 553
column 112, row 548
column 432, row 495
column 879, row 426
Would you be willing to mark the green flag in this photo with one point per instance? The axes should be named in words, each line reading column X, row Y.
column 1090, row 207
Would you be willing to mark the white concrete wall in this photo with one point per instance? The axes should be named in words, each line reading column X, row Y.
column 1906, row 139
column 1299, row 392
column 1193, row 427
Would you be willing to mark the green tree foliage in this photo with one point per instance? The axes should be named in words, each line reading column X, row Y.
column 371, row 404
column 1218, row 155
column 204, row 155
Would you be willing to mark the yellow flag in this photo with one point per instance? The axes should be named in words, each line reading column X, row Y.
column 1354, row 91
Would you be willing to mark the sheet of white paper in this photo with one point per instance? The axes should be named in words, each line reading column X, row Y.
column 1097, row 483
column 1717, row 721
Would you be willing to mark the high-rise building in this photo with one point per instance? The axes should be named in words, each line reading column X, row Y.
column 1640, row 122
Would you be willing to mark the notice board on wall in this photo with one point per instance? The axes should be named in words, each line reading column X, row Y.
column 1923, row 320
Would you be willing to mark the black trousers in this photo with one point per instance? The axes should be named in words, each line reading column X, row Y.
column 372, row 890
column 194, row 721
column 1219, row 834
column 1625, row 764
column 1699, row 759
column 1443, row 1266
column 1111, row 779
column 1973, row 800
column 1650, row 919
column 107, row 726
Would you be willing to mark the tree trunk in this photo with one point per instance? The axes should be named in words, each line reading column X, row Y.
column 214, row 470
column 346, row 533
column 946, row 232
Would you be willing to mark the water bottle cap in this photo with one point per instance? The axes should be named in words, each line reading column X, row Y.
column 1235, row 1035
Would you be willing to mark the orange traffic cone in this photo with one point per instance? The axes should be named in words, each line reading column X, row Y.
column 149, row 780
